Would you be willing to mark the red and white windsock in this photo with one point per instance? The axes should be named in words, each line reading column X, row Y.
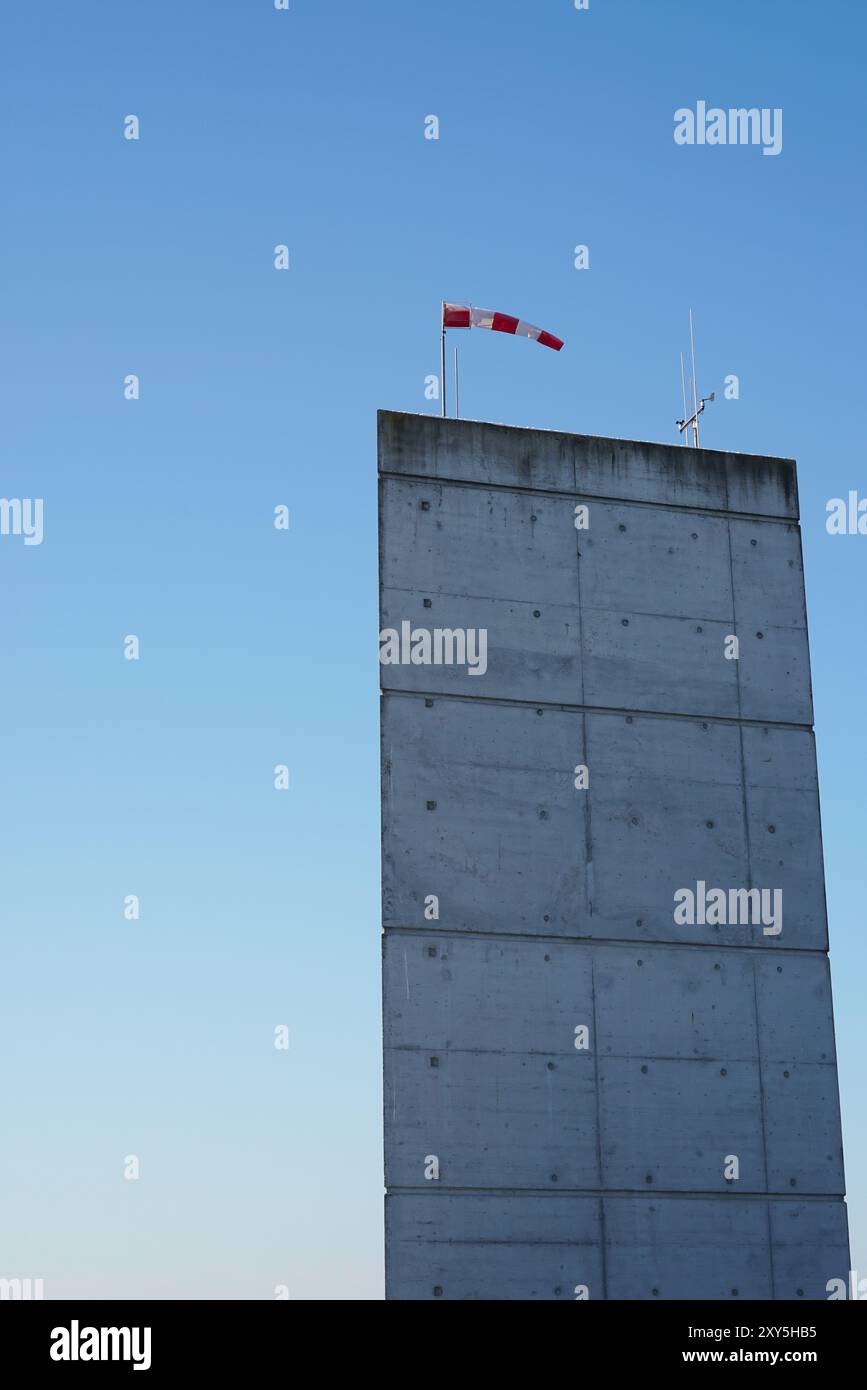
column 465, row 316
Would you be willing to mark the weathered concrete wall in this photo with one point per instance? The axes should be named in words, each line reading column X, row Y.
column 603, row 1166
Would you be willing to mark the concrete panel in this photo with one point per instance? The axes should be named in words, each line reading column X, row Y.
column 785, row 848
column 533, row 653
column 675, row 1003
column 489, row 1248
column 761, row 486
column 782, row 792
column 774, row 672
column 642, row 661
column 502, row 1098
column 688, row 1249
column 672, row 1124
column 466, row 993
column 493, row 1119
column 666, row 810
column 793, row 996
column 688, row 558
column 483, row 543
column 768, row 575
column 811, row 1247
column 802, row 1123
column 500, row 844
column 783, row 759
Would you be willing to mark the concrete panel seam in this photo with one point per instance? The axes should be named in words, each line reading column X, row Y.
column 576, row 496
column 599, row 1155
column 797, row 952
column 763, row 1107
column 511, row 703
column 442, row 1190
column 589, row 608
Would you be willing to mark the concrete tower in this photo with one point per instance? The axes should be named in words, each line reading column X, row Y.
column 609, row 1051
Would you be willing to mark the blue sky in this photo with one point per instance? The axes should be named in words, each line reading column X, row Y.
column 260, row 387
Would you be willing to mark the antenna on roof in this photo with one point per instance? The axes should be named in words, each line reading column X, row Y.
column 457, row 389
column 697, row 405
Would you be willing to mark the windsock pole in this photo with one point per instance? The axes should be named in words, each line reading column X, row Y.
column 443, row 356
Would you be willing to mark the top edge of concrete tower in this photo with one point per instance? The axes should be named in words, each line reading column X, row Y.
column 586, row 465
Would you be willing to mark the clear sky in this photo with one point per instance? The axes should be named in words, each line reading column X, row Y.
column 259, row 387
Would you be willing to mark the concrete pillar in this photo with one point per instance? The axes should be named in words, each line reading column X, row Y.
column 609, row 1050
